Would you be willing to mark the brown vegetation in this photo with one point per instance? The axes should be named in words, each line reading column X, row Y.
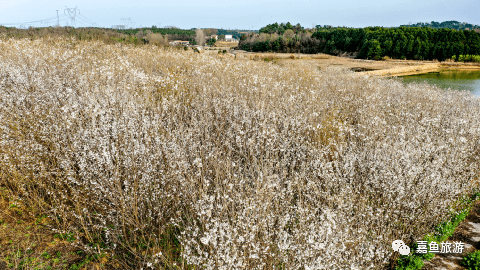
column 226, row 44
column 382, row 68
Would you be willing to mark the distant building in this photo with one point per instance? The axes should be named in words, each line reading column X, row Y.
column 120, row 26
column 179, row 42
column 477, row 30
column 230, row 38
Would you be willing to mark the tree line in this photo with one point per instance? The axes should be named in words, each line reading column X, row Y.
column 107, row 35
column 172, row 33
column 420, row 43
column 87, row 33
column 110, row 36
column 280, row 28
column 447, row 24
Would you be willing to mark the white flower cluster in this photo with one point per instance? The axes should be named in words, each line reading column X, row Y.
column 259, row 165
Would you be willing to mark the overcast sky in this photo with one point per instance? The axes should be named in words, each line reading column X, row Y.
column 239, row 14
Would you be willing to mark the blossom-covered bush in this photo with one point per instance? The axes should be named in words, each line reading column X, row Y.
column 256, row 165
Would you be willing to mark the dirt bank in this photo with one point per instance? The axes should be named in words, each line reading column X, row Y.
column 422, row 68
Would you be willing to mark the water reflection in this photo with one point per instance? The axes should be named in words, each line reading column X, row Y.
column 460, row 80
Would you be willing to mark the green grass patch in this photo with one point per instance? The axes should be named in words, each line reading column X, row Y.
column 65, row 236
column 467, row 58
column 415, row 261
column 471, row 261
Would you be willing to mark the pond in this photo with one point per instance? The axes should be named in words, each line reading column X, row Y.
column 454, row 79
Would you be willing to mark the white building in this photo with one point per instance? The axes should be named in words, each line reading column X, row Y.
column 179, row 42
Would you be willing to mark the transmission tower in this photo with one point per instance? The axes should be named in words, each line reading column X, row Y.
column 58, row 20
column 72, row 12
column 127, row 22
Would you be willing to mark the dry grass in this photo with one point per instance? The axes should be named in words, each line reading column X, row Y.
column 403, row 71
column 226, row 44
column 27, row 241
column 385, row 68
column 168, row 159
column 280, row 56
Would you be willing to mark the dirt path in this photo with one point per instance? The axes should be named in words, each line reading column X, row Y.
column 467, row 232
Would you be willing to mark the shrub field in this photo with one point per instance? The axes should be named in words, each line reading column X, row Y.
column 167, row 159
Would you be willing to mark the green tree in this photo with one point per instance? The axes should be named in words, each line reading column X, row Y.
column 388, row 47
column 374, row 50
column 211, row 41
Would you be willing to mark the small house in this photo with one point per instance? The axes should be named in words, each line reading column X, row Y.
column 179, row 42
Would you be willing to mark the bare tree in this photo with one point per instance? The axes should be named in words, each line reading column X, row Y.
column 200, row 36
column 156, row 38
column 140, row 34
column 289, row 34
column 305, row 36
column 264, row 37
column 210, row 31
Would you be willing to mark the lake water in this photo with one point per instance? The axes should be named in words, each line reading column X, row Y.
column 454, row 79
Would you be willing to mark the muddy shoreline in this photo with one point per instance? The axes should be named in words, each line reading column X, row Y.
column 423, row 68
column 382, row 68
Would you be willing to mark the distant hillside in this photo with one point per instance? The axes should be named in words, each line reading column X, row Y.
column 448, row 24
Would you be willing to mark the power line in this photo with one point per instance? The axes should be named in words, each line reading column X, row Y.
column 84, row 22
column 80, row 15
column 88, row 20
column 72, row 15
column 39, row 21
column 127, row 22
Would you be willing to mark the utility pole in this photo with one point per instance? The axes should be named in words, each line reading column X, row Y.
column 58, row 20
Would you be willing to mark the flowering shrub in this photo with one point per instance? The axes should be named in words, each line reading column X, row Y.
column 257, row 166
